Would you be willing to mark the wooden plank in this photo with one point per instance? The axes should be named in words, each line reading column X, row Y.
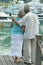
column 3, row 62
column 7, row 60
column 20, row 63
column 41, row 62
column 12, row 60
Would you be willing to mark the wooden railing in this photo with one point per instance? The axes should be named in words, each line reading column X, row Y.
column 38, row 49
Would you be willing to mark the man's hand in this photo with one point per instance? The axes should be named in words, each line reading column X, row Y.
column 23, row 28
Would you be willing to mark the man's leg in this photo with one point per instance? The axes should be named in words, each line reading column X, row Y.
column 27, row 51
column 33, row 50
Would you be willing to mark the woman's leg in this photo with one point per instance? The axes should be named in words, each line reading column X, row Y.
column 16, row 46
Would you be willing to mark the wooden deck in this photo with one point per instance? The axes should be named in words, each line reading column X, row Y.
column 8, row 60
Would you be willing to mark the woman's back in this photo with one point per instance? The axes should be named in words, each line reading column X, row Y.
column 16, row 29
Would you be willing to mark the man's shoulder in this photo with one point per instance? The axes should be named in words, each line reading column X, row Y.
column 36, row 15
column 28, row 14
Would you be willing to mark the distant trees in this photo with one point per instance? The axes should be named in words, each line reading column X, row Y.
column 26, row 0
column 17, row 0
column 41, row 1
column 4, row 1
column 31, row 0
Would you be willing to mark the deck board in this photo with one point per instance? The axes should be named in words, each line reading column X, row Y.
column 12, row 60
column 3, row 62
column 8, row 60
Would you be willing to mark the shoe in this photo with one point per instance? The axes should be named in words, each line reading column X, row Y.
column 27, row 63
column 32, row 62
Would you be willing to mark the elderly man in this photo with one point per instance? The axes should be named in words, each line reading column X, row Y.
column 31, row 23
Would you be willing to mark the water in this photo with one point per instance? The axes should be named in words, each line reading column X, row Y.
column 41, row 28
column 5, row 41
column 36, row 0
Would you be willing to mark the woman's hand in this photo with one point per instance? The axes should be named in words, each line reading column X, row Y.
column 11, row 25
column 12, row 18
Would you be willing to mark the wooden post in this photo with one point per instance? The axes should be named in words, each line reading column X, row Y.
column 38, row 49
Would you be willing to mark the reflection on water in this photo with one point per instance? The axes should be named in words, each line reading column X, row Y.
column 41, row 31
column 41, row 28
column 36, row 0
column 5, row 41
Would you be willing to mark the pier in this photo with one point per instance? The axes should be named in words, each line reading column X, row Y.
column 9, row 60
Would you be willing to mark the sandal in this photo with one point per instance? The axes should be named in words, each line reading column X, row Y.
column 18, row 60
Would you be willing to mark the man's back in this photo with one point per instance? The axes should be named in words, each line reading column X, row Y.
column 32, row 25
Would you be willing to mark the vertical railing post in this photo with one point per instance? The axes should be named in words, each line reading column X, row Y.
column 38, row 49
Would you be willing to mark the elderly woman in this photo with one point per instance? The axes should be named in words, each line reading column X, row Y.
column 17, row 38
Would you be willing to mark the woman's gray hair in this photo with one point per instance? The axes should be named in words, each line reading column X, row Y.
column 21, row 12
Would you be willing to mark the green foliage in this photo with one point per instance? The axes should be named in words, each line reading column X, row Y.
column 3, row 4
column 41, row 1
column 26, row 0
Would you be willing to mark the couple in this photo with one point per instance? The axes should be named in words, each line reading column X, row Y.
column 31, row 23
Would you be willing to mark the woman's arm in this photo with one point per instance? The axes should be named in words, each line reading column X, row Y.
column 15, row 21
column 23, row 26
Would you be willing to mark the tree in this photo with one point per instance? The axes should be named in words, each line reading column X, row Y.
column 26, row 1
column 41, row 1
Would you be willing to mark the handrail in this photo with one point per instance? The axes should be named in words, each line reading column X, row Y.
column 39, row 39
column 38, row 49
